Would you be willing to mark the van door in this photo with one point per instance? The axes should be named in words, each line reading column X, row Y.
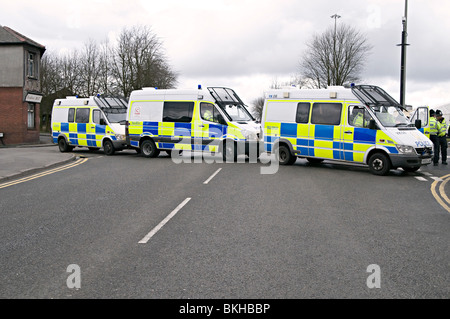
column 357, row 137
column 176, row 127
column 212, row 126
column 82, row 116
column 325, row 130
column 422, row 114
column 97, row 128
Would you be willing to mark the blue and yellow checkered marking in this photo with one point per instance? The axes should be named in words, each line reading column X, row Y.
column 77, row 134
column 327, row 141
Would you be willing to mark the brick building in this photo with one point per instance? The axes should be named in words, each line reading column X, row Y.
column 20, row 95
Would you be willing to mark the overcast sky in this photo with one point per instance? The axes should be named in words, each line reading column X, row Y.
column 247, row 44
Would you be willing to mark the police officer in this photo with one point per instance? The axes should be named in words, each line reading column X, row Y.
column 358, row 120
column 442, row 131
column 434, row 136
column 208, row 116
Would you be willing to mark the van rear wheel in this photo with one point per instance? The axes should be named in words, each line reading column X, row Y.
column 411, row 169
column 379, row 164
column 148, row 149
column 314, row 160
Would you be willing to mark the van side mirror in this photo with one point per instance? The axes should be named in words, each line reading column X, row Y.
column 373, row 125
column 418, row 124
column 102, row 121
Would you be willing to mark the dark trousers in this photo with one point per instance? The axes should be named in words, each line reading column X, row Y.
column 435, row 140
column 443, row 145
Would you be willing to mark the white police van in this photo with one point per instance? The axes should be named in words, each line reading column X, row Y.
column 93, row 122
column 213, row 120
column 362, row 124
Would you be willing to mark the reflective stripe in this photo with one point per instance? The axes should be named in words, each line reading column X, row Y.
column 433, row 126
column 442, row 128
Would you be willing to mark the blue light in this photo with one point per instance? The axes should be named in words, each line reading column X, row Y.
column 98, row 94
column 156, row 88
column 352, row 85
column 76, row 96
column 199, row 86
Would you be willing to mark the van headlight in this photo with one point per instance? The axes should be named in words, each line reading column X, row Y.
column 249, row 135
column 405, row 149
column 120, row 137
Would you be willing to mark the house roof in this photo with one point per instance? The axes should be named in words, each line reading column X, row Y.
column 10, row 36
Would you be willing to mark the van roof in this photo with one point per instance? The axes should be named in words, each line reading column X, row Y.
column 335, row 93
column 100, row 101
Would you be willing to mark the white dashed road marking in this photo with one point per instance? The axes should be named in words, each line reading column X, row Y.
column 164, row 221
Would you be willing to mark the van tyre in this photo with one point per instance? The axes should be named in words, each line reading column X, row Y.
column 148, row 149
column 379, row 164
column 411, row 169
column 285, row 156
column 229, row 151
column 314, row 160
column 64, row 146
column 108, row 148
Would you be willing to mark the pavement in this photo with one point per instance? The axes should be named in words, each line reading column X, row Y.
column 21, row 160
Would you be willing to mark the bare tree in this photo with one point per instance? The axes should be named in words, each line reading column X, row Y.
column 258, row 105
column 138, row 61
column 334, row 57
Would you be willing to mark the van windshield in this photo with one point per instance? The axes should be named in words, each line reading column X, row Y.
column 116, row 115
column 390, row 116
column 237, row 113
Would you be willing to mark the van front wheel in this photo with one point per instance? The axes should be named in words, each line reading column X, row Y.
column 108, row 148
column 379, row 164
column 148, row 149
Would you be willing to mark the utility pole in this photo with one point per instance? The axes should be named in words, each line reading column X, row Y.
column 335, row 17
column 403, row 57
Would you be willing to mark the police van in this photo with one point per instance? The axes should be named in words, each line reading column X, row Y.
column 360, row 124
column 95, row 122
column 213, row 120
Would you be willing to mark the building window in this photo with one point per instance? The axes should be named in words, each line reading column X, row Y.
column 31, row 107
column 31, row 65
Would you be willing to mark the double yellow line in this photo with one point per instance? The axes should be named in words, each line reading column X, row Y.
column 440, row 194
column 55, row 170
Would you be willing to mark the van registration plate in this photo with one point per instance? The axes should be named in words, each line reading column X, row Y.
column 426, row 161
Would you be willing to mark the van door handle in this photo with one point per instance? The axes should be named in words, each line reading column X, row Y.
column 348, row 132
column 201, row 125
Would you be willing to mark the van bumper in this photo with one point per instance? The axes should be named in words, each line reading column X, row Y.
column 120, row 144
column 409, row 160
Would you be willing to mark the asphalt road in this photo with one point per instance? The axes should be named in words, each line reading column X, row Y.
column 304, row 232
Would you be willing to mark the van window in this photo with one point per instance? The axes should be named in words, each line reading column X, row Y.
column 209, row 112
column 326, row 113
column 96, row 116
column 302, row 112
column 358, row 116
column 82, row 116
column 178, row 112
column 422, row 114
column 71, row 115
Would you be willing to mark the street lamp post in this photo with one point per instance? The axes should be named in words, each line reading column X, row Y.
column 335, row 17
column 403, row 55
